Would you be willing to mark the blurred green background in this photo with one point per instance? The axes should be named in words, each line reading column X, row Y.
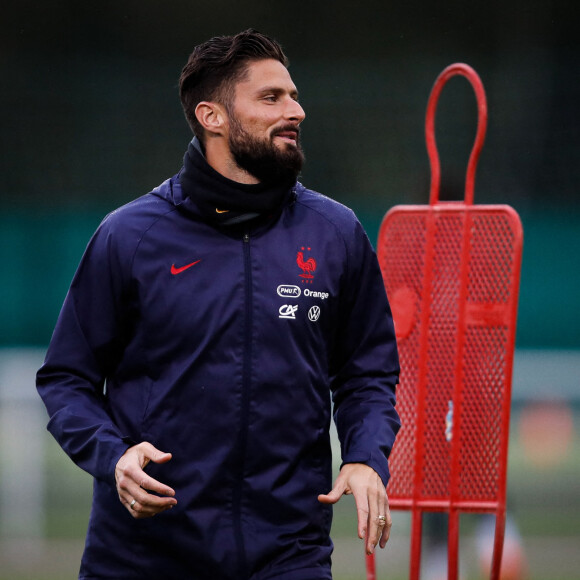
column 91, row 119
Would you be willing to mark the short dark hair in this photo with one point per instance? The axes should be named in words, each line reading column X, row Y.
column 216, row 66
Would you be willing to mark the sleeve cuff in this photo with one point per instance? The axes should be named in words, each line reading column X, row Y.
column 381, row 466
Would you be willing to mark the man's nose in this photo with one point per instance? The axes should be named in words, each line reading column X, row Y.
column 295, row 112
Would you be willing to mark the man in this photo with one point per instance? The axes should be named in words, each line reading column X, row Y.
column 190, row 367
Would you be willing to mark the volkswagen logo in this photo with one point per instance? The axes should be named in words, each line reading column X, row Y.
column 314, row 313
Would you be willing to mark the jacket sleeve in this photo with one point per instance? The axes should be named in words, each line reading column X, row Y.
column 86, row 345
column 364, row 363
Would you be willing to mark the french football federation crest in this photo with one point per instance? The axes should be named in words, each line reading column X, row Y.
column 308, row 266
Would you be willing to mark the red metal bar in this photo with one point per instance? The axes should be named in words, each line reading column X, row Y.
column 453, row 546
column 443, row 505
column 416, row 541
column 417, row 519
column 453, row 529
column 371, row 568
column 451, row 71
column 498, row 545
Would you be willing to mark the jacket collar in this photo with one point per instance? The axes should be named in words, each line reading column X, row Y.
column 223, row 201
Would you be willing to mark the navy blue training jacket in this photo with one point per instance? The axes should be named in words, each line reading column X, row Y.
column 221, row 345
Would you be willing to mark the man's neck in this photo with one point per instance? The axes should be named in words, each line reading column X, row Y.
column 219, row 157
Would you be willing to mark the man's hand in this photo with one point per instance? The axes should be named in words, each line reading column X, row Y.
column 371, row 501
column 133, row 484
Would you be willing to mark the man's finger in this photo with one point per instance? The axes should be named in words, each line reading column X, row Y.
column 335, row 493
column 364, row 510
column 132, row 479
column 385, row 535
column 149, row 484
column 377, row 517
column 387, row 527
column 155, row 455
column 362, row 514
column 145, row 510
column 372, row 525
column 140, row 503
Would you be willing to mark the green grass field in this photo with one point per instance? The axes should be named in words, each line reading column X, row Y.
column 543, row 499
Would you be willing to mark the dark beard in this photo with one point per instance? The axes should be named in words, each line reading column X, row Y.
column 262, row 159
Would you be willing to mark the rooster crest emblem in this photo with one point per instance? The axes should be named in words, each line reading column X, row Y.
column 307, row 266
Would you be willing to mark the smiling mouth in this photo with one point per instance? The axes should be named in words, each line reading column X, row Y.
column 288, row 135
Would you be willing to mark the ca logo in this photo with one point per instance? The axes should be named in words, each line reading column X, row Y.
column 288, row 311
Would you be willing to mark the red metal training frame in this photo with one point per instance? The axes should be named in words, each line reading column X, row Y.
column 451, row 270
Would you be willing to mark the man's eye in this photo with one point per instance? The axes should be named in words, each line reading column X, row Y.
column 271, row 98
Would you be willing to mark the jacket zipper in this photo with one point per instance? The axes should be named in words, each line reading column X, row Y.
column 245, row 407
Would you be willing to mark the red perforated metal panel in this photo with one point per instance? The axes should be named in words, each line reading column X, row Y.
column 455, row 325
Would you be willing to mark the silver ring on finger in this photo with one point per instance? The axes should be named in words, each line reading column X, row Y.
column 382, row 520
column 132, row 504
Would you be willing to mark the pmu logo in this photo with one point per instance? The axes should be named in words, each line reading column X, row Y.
column 289, row 291
column 308, row 266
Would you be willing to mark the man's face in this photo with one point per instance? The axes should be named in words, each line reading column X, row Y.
column 264, row 134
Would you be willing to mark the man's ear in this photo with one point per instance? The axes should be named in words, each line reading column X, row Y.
column 211, row 117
